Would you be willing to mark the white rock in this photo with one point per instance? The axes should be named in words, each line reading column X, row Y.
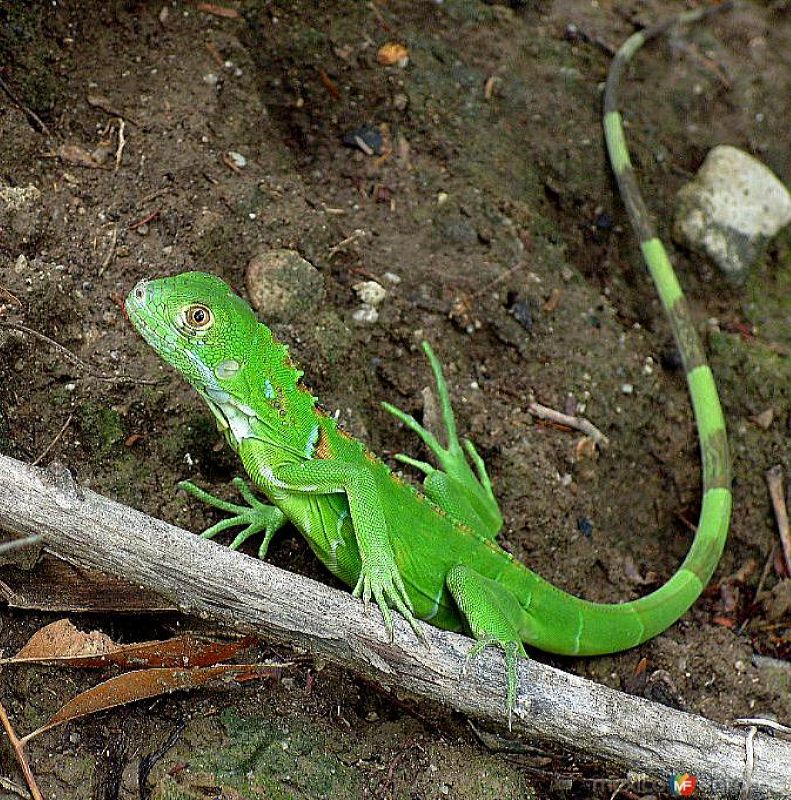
column 237, row 158
column 370, row 292
column 366, row 314
column 731, row 210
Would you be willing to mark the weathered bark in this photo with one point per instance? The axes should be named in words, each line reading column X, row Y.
column 210, row 581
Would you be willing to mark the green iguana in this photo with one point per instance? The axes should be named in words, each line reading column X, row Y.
column 432, row 555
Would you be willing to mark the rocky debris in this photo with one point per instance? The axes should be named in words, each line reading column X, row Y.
column 731, row 210
column 372, row 294
column 17, row 198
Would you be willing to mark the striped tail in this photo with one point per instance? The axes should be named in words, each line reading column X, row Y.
column 712, row 529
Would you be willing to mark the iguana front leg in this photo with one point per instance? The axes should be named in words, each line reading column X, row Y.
column 255, row 517
column 379, row 575
column 454, row 487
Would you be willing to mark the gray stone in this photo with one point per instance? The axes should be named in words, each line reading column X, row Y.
column 731, row 210
column 282, row 286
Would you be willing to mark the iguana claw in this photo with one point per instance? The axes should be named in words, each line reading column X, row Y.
column 511, row 651
column 387, row 588
column 255, row 517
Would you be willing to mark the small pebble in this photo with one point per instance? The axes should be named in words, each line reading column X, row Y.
column 393, row 54
column 765, row 419
column 627, row 388
column 521, row 312
column 370, row 292
column 365, row 314
column 237, row 159
column 367, row 138
column 210, row 78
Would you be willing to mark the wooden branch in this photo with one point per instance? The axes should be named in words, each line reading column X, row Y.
column 210, row 581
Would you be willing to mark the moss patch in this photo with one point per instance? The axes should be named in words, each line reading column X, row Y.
column 266, row 757
column 100, row 427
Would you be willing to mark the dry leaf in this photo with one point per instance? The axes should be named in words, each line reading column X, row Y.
column 145, row 683
column 329, row 85
column 60, row 640
column 218, row 11
column 77, row 156
column 62, row 643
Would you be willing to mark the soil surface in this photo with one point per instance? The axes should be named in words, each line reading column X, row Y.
column 471, row 184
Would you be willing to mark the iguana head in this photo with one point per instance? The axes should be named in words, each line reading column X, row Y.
column 195, row 323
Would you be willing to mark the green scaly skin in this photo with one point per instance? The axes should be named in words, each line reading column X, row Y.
column 431, row 555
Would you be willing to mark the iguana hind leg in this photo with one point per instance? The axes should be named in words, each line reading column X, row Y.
column 255, row 517
column 495, row 618
column 454, row 487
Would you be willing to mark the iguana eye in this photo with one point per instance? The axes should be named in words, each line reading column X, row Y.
column 199, row 317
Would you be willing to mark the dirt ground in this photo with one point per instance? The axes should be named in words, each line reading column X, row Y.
column 485, row 192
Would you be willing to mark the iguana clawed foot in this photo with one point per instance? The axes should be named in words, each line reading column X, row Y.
column 454, row 487
column 255, row 517
column 512, row 650
column 383, row 582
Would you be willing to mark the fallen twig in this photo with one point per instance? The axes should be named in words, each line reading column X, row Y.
column 11, row 787
column 9, row 296
column 29, row 113
column 25, row 541
column 774, row 479
column 146, row 219
column 18, row 747
column 577, row 423
column 69, row 356
column 110, row 250
column 39, row 458
column 119, row 153
column 209, row 580
column 358, row 234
